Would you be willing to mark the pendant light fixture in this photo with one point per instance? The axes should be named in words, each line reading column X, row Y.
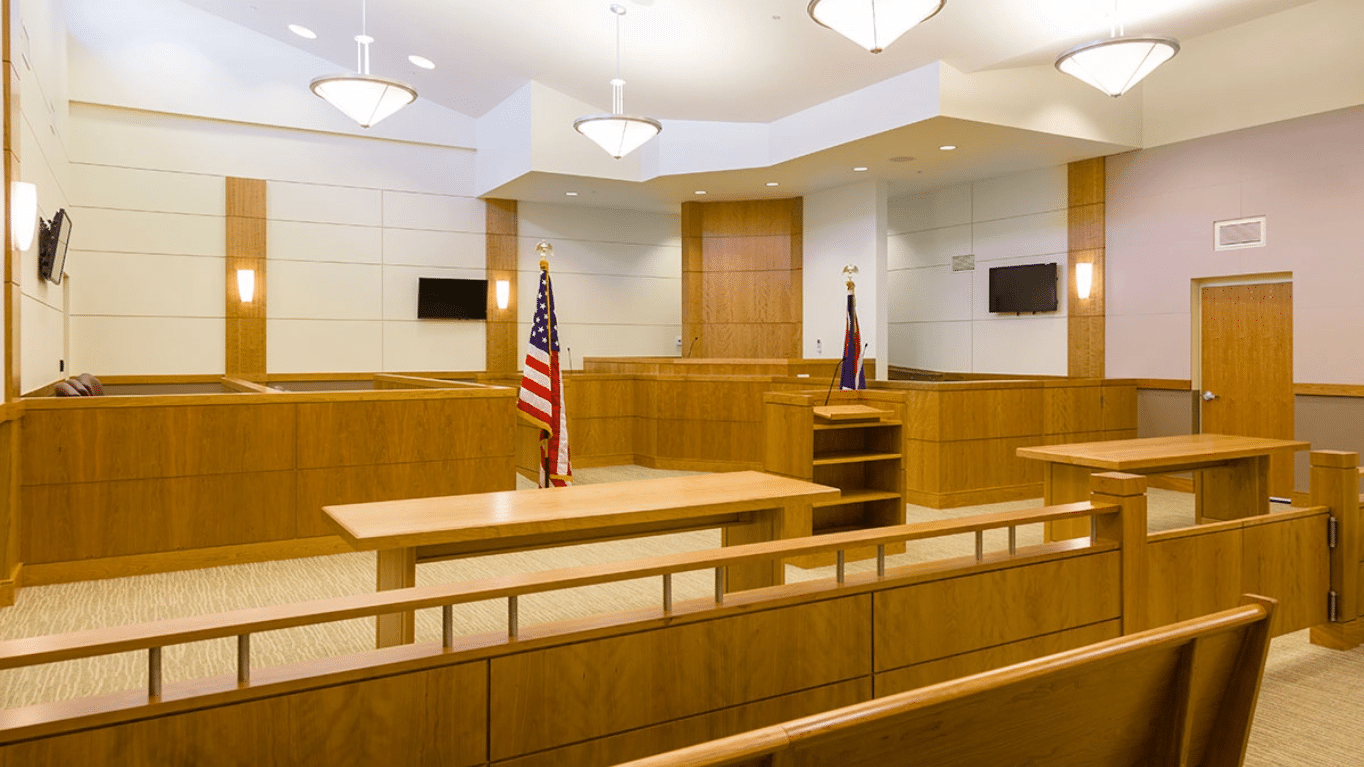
column 1118, row 63
column 873, row 24
column 363, row 97
column 618, row 133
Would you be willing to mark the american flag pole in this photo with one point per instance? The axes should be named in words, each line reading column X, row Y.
column 540, row 399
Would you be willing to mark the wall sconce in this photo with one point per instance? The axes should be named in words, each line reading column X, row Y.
column 1084, row 279
column 23, row 213
column 503, row 293
column 246, row 284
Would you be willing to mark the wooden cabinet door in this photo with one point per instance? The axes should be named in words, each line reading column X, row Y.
column 1247, row 367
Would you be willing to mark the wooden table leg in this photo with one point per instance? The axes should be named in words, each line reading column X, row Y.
column 1236, row 490
column 790, row 521
column 1064, row 483
column 397, row 570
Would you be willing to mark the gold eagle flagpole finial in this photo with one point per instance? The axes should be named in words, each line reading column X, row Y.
column 849, row 272
column 544, row 250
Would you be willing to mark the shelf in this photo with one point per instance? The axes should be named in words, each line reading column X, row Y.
column 860, row 495
column 854, row 425
column 829, row 459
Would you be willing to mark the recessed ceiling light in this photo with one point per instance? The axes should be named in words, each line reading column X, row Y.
column 948, row 147
column 771, row 183
column 422, row 62
column 571, row 194
column 860, row 169
column 700, row 191
column 902, row 158
column 303, row 31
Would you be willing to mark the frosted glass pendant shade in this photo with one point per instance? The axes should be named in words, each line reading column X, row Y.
column 1114, row 66
column 619, row 135
column 872, row 24
column 364, row 98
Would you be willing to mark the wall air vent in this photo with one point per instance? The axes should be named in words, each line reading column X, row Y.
column 1239, row 233
column 965, row 263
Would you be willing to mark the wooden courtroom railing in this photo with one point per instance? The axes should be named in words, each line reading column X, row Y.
column 769, row 655
column 1183, row 694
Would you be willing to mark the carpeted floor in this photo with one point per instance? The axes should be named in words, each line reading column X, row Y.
column 1310, row 699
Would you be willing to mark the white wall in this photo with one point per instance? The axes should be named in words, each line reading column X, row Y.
column 1305, row 175
column 353, row 222
column 844, row 225
column 617, row 278
column 940, row 319
column 38, row 37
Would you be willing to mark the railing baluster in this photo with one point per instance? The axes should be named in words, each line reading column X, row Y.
column 880, row 560
column 719, row 585
column 667, row 593
column 840, row 567
column 1013, row 540
column 513, row 619
column 447, row 627
column 243, row 659
column 154, row 673
column 980, row 545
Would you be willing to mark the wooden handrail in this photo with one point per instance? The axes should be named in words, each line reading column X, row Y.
column 31, row 651
column 419, row 382
column 237, row 384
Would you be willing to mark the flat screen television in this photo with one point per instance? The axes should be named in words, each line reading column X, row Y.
column 440, row 298
column 1024, row 288
column 53, row 238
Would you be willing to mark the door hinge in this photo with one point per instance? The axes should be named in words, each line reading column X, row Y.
column 1332, row 532
column 1331, row 600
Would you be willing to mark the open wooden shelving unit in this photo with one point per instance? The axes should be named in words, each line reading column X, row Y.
column 863, row 458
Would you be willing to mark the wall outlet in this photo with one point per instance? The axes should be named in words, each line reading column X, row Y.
column 819, row 346
column 679, row 342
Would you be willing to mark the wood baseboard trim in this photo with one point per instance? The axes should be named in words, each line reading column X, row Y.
column 1169, row 482
column 189, row 559
column 1338, row 636
column 9, row 588
column 974, row 497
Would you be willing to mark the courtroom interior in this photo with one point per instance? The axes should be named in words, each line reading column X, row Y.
column 285, row 374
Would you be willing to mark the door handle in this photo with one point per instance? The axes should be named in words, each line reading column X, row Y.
column 1209, row 396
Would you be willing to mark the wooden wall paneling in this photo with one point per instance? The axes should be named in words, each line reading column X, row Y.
column 501, row 240
column 1071, row 408
column 981, row 413
column 1085, row 345
column 1119, row 406
column 557, row 696
column 953, row 667
column 1287, row 559
column 693, row 267
column 405, row 431
column 11, row 562
column 1061, row 594
column 245, row 249
column 1193, row 575
column 635, row 744
column 13, row 127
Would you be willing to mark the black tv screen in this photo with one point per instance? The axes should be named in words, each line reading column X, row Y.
column 53, row 239
column 1025, row 288
column 451, row 299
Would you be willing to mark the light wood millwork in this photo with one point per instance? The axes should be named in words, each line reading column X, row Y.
column 1247, row 363
column 1335, row 484
column 1085, row 337
column 751, row 506
column 502, row 229
column 742, row 278
column 11, row 563
column 1231, row 480
column 246, row 249
column 1178, row 695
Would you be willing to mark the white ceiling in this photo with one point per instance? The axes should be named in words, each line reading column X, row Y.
column 732, row 61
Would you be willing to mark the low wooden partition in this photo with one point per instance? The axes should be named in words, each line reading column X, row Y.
column 120, row 485
column 1179, row 695
column 596, row 690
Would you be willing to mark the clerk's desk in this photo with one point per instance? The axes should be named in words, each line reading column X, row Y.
column 751, row 506
column 1231, row 474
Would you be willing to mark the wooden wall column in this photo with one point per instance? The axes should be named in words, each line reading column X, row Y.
column 1086, row 244
column 11, row 410
column 245, row 250
column 742, row 278
column 502, row 232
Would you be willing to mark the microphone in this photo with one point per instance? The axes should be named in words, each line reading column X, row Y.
column 570, row 357
column 692, row 348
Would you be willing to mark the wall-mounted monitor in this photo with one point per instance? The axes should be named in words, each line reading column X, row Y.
column 53, row 238
column 1025, row 288
column 441, row 298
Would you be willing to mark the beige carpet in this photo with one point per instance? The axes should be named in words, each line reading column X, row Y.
column 1310, row 700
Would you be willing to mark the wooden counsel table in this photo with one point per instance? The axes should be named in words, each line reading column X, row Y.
column 751, row 506
column 1231, row 474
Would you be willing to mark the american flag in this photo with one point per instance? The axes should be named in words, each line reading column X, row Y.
column 542, row 391
column 853, row 377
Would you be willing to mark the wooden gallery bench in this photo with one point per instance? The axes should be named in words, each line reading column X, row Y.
column 1183, row 694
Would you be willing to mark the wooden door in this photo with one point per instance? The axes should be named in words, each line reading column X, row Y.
column 1247, row 367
